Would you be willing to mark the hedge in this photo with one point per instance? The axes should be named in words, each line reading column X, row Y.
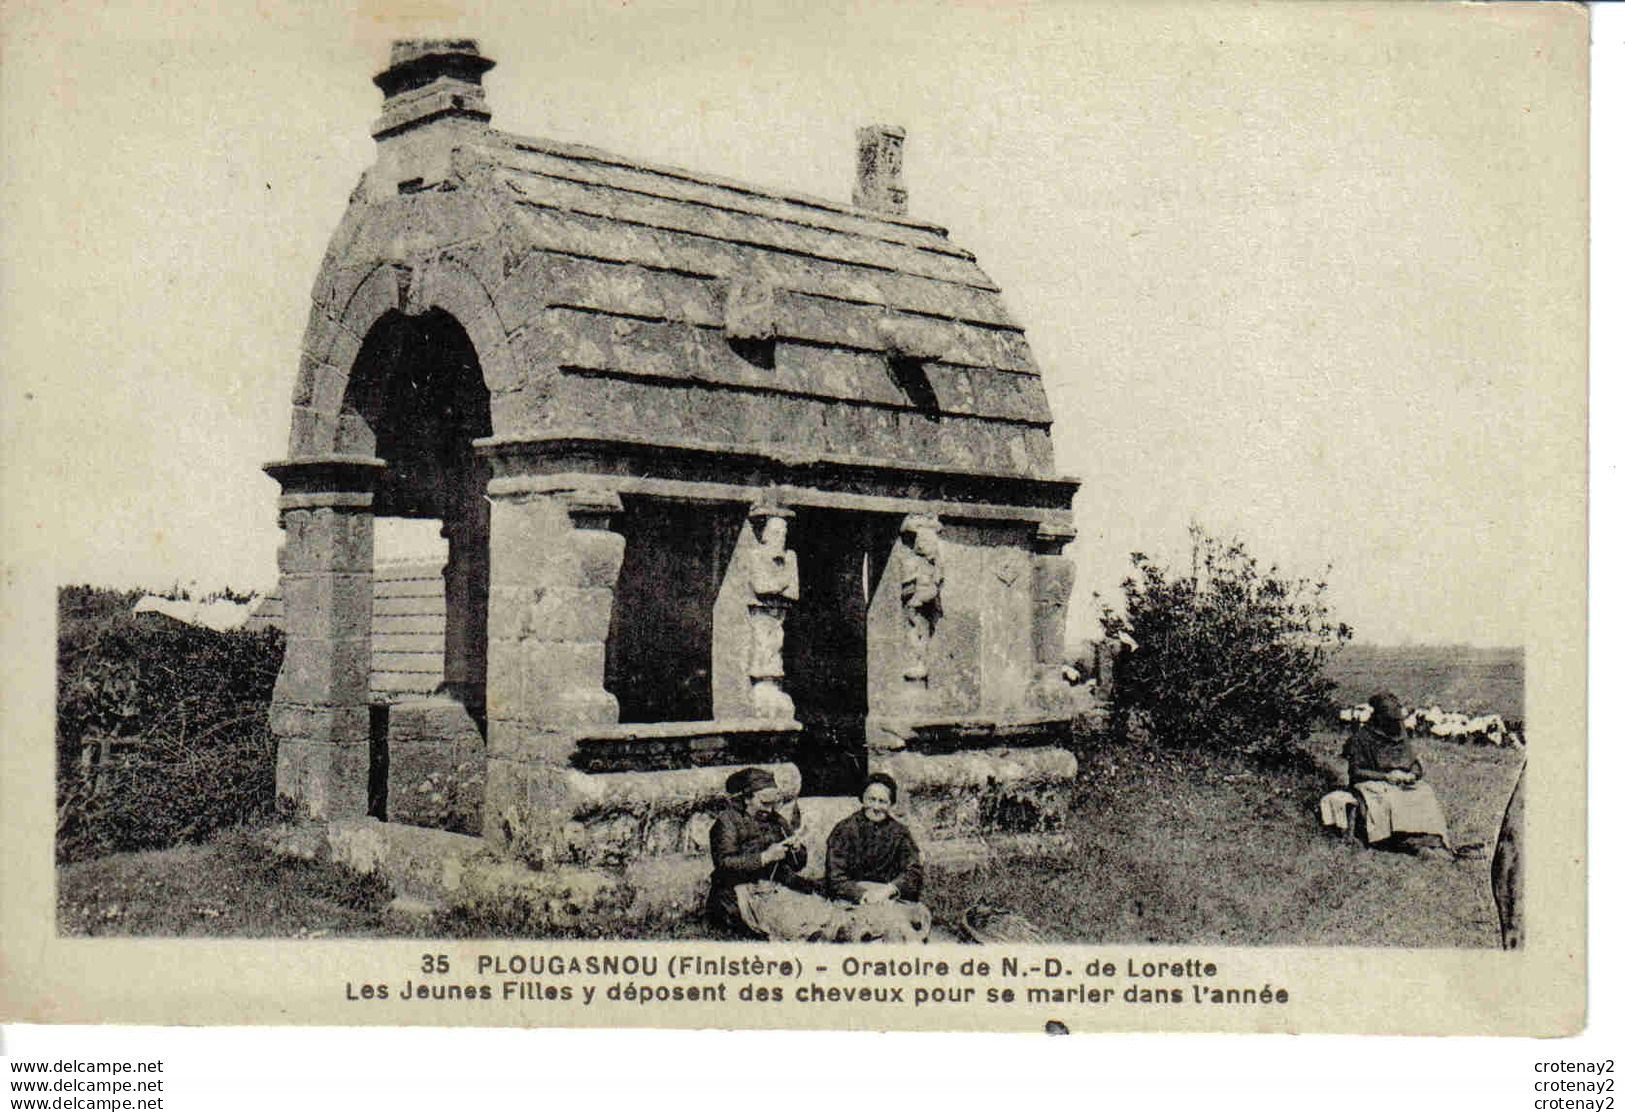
column 162, row 733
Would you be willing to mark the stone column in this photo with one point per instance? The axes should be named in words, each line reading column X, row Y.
column 467, row 529
column 921, row 584
column 555, row 558
column 775, row 583
column 554, row 562
column 319, row 712
column 1053, row 575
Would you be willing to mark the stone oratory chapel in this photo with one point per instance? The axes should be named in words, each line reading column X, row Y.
column 725, row 475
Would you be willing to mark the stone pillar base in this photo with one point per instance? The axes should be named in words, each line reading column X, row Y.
column 891, row 733
column 976, row 793
column 321, row 779
column 628, row 853
column 546, row 816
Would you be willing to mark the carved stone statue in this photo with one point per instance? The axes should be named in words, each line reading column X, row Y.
column 921, row 591
column 775, row 583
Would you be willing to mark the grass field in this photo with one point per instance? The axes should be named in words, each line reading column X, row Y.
column 1476, row 681
column 1194, row 849
column 1162, row 849
column 230, row 887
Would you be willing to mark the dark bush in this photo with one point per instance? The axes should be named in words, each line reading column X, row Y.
column 91, row 604
column 162, row 734
column 1229, row 657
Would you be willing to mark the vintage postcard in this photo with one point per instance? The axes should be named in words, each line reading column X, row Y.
column 1032, row 516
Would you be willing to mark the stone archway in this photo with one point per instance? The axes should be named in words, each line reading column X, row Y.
column 416, row 400
column 394, row 388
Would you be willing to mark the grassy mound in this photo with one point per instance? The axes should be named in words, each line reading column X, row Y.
column 1187, row 848
column 231, row 887
column 1192, row 847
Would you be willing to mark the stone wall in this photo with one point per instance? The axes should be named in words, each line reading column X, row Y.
column 638, row 844
column 989, row 639
column 983, row 792
column 436, row 775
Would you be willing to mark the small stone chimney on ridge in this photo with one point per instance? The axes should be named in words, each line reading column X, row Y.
column 433, row 99
column 879, row 184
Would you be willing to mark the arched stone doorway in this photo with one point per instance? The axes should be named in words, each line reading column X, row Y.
column 399, row 444
column 417, row 402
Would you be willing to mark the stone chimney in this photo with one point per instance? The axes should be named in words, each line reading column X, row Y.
column 431, row 79
column 879, row 185
column 433, row 100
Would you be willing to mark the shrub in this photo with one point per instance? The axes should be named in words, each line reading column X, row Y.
column 178, row 717
column 1229, row 657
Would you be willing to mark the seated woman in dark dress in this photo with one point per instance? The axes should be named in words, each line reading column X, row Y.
column 1398, row 808
column 750, row 842
column 873, row 861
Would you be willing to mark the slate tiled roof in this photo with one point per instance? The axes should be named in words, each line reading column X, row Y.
column 643, row 303
column 648, row 243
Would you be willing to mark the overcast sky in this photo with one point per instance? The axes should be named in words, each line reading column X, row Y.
column 1312, row 275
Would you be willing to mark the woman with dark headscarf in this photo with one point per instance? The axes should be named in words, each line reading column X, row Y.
column 750, row 842
column 1398, row 807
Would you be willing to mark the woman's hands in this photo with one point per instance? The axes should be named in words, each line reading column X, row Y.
column 877, row 893
column 778, row 851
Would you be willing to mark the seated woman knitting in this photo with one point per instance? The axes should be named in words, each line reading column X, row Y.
column 753, row 848
column 1398, row 807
